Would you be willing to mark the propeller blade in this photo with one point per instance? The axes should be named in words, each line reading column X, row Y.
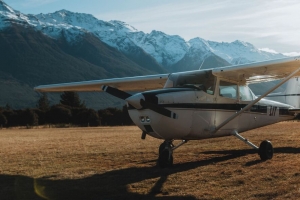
column 142, row 104
column 158, row 109
column 115, row 92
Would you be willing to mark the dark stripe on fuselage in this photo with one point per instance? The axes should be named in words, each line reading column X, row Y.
column 150, row 96
column 228, row 107
column 216, row 106
column 283, row 95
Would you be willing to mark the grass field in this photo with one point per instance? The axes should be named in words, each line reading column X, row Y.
column 114, row 163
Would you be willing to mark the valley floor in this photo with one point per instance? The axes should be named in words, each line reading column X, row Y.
column 114, row 163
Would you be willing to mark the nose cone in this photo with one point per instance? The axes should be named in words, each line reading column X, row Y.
column 135, row 100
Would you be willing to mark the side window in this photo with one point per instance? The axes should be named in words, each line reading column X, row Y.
column 210, row 85
column 245, row 93
column 228, row 89
column 202, row 80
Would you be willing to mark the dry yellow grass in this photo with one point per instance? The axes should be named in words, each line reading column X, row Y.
column 114, row 163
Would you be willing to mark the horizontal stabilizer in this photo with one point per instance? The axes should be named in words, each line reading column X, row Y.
column 294, row 110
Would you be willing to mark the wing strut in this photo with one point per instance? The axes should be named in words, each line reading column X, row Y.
column 254, row 101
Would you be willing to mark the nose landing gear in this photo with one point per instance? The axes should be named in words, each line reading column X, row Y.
column 165, row 158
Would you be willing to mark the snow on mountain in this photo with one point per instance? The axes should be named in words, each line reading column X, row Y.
column 199, row 46
column 165, row 49
column 5, row 8
column 114, row 33
column 239, row 52
column 7, row 15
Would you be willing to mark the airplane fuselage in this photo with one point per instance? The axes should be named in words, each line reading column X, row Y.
column 199, row 112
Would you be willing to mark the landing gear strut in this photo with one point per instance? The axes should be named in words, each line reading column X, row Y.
column 165, row 158
column 265, row 150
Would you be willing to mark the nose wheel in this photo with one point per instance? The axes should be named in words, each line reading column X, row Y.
column 165, row 158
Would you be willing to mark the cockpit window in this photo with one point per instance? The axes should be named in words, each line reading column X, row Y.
column 228, row 89
column 245, row 93
column 202, row 80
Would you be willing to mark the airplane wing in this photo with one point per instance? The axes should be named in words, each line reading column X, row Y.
column 137, row 83
column 249, row 73
column 260, row 71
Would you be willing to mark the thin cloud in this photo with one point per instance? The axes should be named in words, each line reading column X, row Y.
column 268, row 50
column 291, row 54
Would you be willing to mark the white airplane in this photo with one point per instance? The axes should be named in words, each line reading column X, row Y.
column 202, row 104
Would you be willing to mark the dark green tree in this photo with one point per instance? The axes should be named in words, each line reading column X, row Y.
column 87, row 117
column 59, row 114
column 43, row 103
column 3, row 120
column 7, row 107
column 28, row 117
column 12, row 118
column 71, row 99
column 114, row 117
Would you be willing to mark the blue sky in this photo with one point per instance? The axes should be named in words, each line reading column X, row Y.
column 272, row 24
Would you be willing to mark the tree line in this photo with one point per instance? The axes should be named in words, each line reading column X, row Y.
column 70, row 110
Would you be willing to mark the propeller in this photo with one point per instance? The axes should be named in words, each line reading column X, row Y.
column 138, row 101
column 115, row 92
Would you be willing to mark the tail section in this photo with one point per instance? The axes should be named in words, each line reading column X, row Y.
column 290, row 95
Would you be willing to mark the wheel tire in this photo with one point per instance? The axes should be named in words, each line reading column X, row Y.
column 162, row 147
column 266, row 150
column 164, row 160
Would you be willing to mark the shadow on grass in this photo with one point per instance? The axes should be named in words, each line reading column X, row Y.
column 115, row 184
column 243, row 152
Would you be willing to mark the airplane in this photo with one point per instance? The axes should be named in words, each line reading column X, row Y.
column 201, row 104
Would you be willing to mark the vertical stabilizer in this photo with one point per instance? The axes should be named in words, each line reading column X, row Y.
column 292, row 92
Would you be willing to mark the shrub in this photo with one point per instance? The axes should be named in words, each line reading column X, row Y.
column 59, row 114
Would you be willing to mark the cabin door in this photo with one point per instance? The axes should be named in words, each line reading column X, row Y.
column 227, row 104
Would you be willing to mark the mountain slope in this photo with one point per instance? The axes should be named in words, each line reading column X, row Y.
column 29, row 58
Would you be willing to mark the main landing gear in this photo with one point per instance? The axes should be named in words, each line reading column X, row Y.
column 265, row 150
column 165, row 158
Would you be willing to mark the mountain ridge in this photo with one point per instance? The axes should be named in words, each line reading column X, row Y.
column 65, row 46
column 167, row 50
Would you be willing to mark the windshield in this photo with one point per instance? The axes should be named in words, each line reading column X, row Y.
column 202, row 80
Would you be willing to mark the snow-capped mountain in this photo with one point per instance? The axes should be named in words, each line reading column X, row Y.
column 198, row 56
column 167, row 50
column 239, row 52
